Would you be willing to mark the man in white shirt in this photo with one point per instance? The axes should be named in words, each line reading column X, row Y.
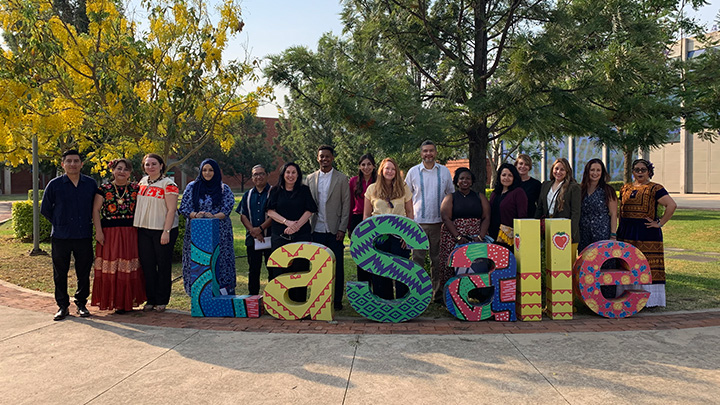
column 331, row 192
column 429, row 183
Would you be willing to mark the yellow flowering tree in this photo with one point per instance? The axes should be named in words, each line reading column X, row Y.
column 113, row 91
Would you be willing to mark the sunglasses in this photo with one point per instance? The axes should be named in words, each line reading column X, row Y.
column 286, row 236
column 390, row 204
column 640, row 170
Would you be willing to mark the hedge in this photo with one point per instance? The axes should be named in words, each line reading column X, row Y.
column 22, row 216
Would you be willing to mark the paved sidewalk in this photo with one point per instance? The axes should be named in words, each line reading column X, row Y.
column 99, row 361
column 697, row 201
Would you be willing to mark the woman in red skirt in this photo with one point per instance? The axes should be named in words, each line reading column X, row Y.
column 119, row 282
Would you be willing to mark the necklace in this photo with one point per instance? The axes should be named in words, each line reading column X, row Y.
column 121, row 198
column 154, row 181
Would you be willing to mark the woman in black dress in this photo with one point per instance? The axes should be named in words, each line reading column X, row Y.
column 290, row 206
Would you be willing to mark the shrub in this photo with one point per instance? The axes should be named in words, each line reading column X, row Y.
column 22, row 216
column 177, row 250
column 617, row 185
column 30, row 195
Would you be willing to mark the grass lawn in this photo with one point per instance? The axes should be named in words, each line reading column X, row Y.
column 690, row 285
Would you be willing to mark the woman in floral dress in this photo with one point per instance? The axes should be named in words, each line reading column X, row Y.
column 598, row 210
column 119, row 283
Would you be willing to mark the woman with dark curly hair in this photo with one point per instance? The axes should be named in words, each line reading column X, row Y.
column 641, row 226
column 119, row 283
column 466, row 218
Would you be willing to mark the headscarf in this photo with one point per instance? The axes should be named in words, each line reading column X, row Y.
column 212, row 188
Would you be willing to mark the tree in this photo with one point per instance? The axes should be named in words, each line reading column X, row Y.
column 627, row 91
column 411, row 70
column 250, row 148
column 113, row 92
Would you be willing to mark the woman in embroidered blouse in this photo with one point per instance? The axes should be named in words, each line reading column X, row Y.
column 290, row 205
column 598, row 212
column 208, row 197
column 157, row 221
column 358, row 186
column 389, row 195
column 560, row 197
column 119, row 283
column 507, row 202
column 641, row 226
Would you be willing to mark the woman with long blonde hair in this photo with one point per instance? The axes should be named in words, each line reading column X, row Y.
column 560, row 197
column 389, row 195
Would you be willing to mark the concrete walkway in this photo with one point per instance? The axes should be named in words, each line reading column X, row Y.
column 127, row 359
column 96, row 361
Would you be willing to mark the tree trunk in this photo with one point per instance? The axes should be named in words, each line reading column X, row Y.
column 477, row 154
column 627, row 167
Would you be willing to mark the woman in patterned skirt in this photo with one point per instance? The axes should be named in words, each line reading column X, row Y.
column 598, row 210
column 466, row 218
column 641, row 226
column 208, row 197
column 119, row 283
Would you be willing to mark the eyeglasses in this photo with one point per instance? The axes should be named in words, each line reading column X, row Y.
column 259, row 174
column 640, row 170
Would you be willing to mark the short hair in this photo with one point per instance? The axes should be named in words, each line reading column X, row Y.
column 525, row 158
column 258, row 167
column 428, row 142
column 156, row 157
column 648, row 165
column 71, row 152
column 328, row 148
column 112, row 165
column 460, row 171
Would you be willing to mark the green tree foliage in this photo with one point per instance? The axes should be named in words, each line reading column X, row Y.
column 409, row 71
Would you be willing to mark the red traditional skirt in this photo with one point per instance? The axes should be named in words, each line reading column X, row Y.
column 119, row 281
column 465, row 226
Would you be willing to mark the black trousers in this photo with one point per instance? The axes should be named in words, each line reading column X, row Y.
column 82, row 251
column 255, row 262
column 383, row 286
column 355, row 219
column 156, row 262
column 337, row 247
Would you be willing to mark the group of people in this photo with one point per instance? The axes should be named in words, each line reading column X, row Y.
column 136, row 224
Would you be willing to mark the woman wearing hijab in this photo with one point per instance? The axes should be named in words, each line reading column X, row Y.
column 208, row 197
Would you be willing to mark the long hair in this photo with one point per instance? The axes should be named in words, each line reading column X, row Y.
column 396, row 188
column 373, row 175
column 281, row 180
column 517, row 182
column 560, row 200
column 602, row 183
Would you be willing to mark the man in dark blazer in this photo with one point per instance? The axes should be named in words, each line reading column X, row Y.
column 331, row 192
